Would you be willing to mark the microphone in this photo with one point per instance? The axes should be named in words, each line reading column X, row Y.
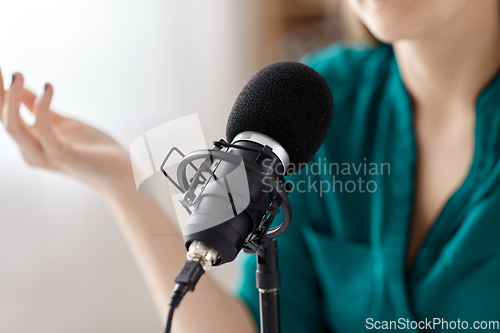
column 277, row 124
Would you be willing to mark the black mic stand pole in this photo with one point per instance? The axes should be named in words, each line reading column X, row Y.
column 268, row 283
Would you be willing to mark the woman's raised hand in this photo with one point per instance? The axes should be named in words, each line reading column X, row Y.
column 62, row 144
column 58, row 143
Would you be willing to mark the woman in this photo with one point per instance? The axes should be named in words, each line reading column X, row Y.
column 421, row 245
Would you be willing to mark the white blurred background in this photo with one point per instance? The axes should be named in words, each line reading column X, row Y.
column 125, row 67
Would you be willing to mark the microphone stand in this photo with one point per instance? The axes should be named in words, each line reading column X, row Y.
column 268, row 283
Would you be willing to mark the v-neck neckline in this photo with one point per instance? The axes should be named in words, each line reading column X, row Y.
column 446, row 221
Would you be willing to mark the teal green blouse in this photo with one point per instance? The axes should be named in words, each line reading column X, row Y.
column 342, row 261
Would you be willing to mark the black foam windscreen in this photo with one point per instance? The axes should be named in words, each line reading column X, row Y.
column 289, row 102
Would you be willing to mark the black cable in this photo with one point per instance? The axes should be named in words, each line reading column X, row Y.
column 169, row 319
column 186, row 281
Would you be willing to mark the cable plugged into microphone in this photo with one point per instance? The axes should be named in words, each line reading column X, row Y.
column 200, row 258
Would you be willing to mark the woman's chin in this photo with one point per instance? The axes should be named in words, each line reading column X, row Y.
column 391, row 35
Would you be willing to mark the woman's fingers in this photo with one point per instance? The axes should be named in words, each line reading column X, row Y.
column 15, row 126
column 11, row 118
column 28, row 98
column 43, row 123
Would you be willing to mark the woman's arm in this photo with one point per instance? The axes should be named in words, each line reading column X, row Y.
column 159, row 250
column 63, row 144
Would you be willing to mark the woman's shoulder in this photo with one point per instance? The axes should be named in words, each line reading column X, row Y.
column 347, row 65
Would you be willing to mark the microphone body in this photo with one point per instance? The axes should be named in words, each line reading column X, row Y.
column 286, row 106
column 228, row 237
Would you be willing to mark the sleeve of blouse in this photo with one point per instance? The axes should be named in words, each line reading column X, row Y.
column 300, row 296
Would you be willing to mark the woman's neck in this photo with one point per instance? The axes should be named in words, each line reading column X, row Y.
column 448, row 68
